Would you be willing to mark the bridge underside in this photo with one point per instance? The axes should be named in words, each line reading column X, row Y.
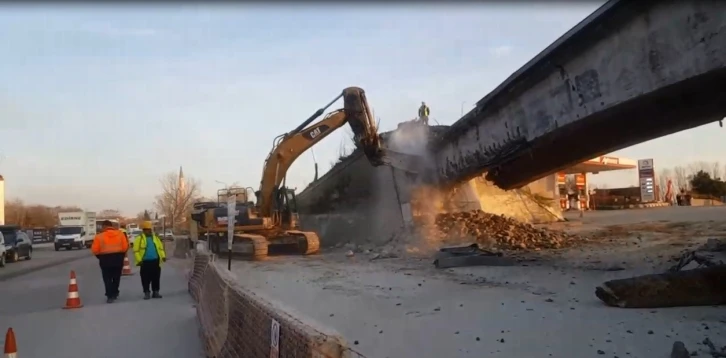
column 684, row 106
column 631, row 72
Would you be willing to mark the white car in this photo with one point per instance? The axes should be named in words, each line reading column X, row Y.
column 168, row 235
column 132, row 234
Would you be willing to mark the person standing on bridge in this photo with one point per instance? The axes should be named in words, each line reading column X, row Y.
column 149, row 254
column 423, row 113
column 110, row 247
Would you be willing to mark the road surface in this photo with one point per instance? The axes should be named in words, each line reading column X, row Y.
column 44, row 255
column 632, row 216
column 131, row 327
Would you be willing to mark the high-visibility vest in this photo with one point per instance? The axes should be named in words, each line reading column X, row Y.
column 423, row 111
column 106, row 246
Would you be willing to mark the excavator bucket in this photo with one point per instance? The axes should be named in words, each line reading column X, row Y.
column 365, row 134
column 361, row 121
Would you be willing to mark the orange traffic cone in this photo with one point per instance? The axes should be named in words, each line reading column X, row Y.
column 11, row 349
column 74, row 299
column 127, row 267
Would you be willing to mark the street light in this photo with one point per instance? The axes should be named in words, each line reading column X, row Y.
column 223, row 183
column 462, row 108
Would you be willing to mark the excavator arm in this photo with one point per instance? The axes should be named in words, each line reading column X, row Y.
column 289, row 146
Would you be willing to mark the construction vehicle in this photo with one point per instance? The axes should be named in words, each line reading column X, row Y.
column 271, row 225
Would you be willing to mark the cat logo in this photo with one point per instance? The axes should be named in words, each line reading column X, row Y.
column 314, row 133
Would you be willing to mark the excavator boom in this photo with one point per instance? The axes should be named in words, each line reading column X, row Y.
column 289, row 146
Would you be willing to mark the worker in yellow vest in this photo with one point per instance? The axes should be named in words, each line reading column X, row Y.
column 423, row 113
column 150, row 255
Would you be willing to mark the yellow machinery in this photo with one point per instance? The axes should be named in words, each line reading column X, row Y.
column 271, row 224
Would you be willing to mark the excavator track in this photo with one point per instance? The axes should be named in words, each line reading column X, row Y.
column 259, row 245
column 308, row 242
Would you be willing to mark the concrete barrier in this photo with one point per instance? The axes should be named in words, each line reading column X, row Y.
column 182, row 247
column 236, row 322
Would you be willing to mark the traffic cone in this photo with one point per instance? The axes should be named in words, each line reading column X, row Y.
column 127, row 267
column 74, row 299
column 11, row 349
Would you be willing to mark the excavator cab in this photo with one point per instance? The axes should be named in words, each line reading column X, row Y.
column 284, row 208
column 288, row 208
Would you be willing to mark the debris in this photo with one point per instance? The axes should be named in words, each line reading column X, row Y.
column 698, row 287
column 496, row 231
column 350, row 253
column 471, row 255
column 679, row 350
column 384, row 255
column 715, row 353
column 712, row 253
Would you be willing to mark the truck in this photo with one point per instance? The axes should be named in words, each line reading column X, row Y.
column 76, row 231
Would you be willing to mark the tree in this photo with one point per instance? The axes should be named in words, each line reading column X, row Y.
column 716, row 170
column 28, row 216
column 109, row 214
column 702, row 183
column 176, row 198
column 680, row 178
column 143, row 216
column 663, row 177
column 570, row 183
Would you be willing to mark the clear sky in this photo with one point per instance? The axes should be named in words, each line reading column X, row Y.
column 96, row 103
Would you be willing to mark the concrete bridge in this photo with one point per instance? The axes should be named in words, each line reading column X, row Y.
column 630, row 72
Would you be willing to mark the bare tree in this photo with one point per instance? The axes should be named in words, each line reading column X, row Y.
column 715, row 170
column 696, row 167
column 176, row 198
column 109, row 214
column 27, row 216
column 143, row 215
column 662, row 179
column 680, row 178
column 570, row 184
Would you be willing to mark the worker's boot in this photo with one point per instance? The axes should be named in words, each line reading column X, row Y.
column 147, row 295
column 156, row 295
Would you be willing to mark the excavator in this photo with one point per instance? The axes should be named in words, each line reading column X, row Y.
column 271, row 224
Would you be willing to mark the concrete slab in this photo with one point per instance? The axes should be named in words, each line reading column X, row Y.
column 631, row 72
column 131, row 327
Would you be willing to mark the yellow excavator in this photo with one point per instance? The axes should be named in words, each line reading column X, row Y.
column 271, row 225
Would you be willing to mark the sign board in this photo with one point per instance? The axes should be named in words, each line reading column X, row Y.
column 275, row 339
column 644, row 164
column 231, row 215
column 646, row 176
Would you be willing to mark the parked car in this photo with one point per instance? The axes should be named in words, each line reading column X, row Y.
column 168, row 235
column 17, row 243
column 132, row 234
column 2, row 250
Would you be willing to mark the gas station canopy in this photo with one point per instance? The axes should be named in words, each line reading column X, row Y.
column 602, row 163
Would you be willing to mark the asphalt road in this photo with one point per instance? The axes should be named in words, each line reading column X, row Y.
column 633, row 216
column 44, row 255
column 32, row 305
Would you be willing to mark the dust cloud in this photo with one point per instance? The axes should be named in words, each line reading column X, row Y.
column 424, row 201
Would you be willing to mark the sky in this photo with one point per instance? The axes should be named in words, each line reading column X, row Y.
column 97, row 103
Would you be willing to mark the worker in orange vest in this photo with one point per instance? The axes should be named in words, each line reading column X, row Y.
column 110, row 247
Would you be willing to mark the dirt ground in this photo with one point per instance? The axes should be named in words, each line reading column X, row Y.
column 545, row 307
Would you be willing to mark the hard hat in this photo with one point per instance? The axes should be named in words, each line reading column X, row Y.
column 146, row 225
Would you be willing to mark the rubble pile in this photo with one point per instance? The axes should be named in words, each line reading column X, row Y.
column 496, row 231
